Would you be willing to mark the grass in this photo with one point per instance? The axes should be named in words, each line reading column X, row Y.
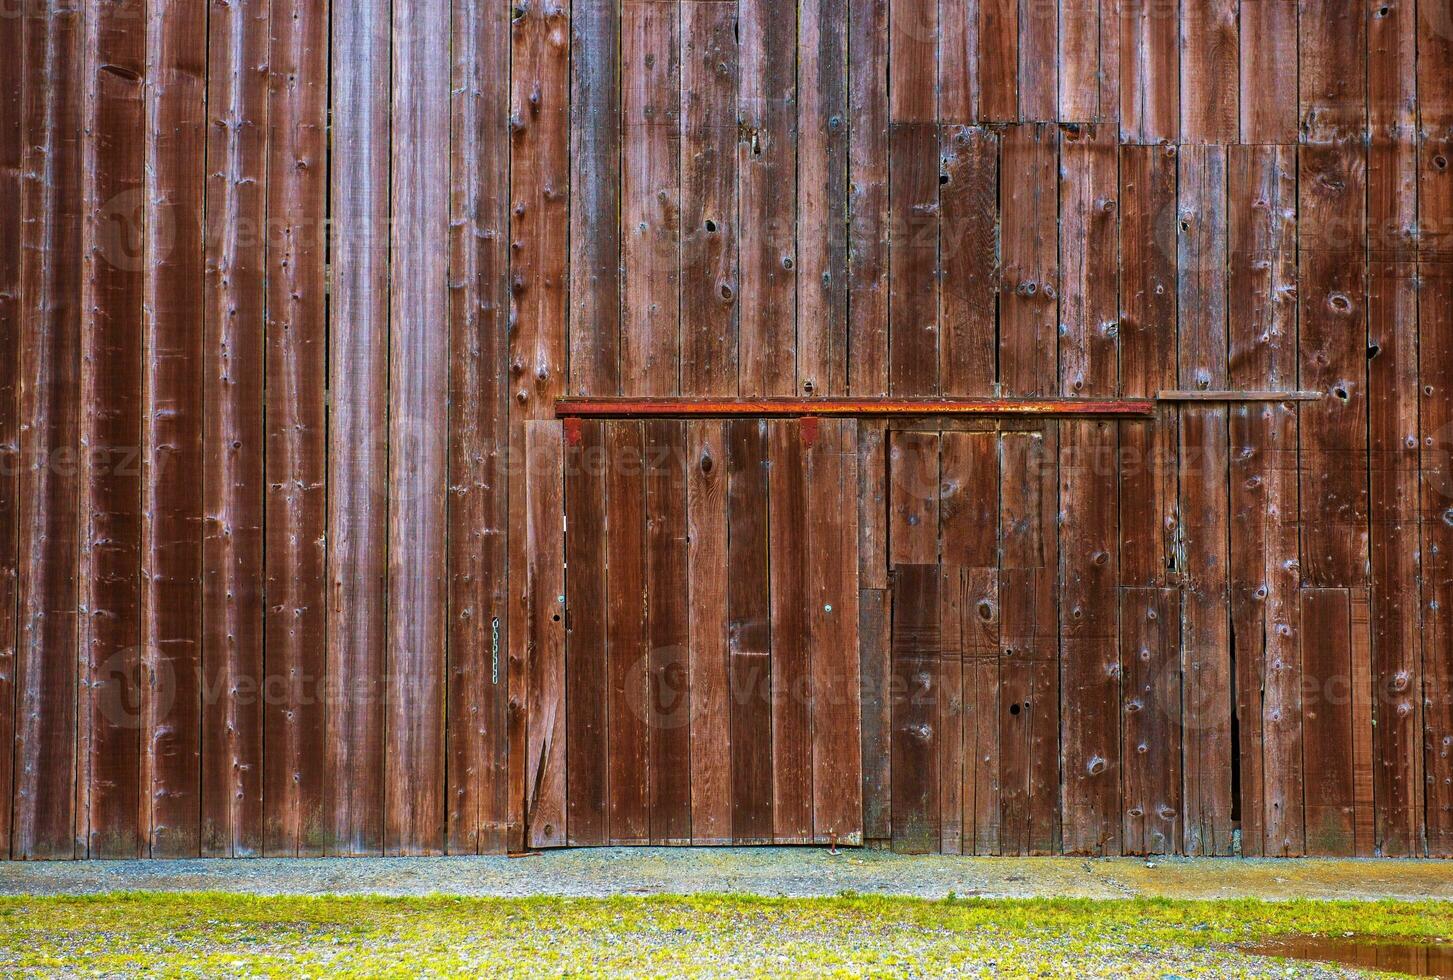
column 208, row 934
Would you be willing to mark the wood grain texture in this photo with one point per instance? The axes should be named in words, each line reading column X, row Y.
column 1332, row 70
column 833, row 642
column 478, row 802
column 295, row 410
column 593, row 101
column 791, row 653
column 627, row 665
column 1039, row 67
column 1147, row 339
column 1151, row 731
column 13, row 191
column 358, row 473
column 710, row 679
column 544, row 503
column 1029, row 287
column 668, row 622
column 766, row 165
column 868, row 197
column 1089, row 61
column 1332, row 350
column 982, row 708
column 172, row 503
column 1261, row 229
column 709, row 277
column 968, row 260
column 1206, row 626
column 650, row 197
column 1210, row 56
column 995, row 57
column 913, row 498
column 1268, row 43
column 109, row 799
column 1150, row 73
column 913, row 267
column 541, row 124
column 418, row 447
column 1392, row 427
column 1435, row 413
column 586, row 698
column 949, row 718
column 915, row 695
column 749, row 631
column 822, row 154
column 1327, row 720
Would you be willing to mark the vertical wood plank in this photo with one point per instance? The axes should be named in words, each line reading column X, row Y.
column 1435, row 415
column 1206, row 627
column 915, row 695
column 969, row 260
column 544, row 508
column 593, row 101
column 875, row 616
column 711, row 754
column 968, row 499
column 1268, row 44
column 791, row 656
column 1435, row 57
column 650, row 197
column 1089, row 495
column 913, row 269
column 1392, row 429
column 110, row 504
column 1150, row 624
column 832, row 549
column 1327, row 720
column 1332, row 336
column 982, row 713
column 478, row 750
column 1364, row 812
column 994, row 54
column 586, row 654
column 667, row 701
column 172, row 502
column 1332, row 70
column 1150, row 74
column 913, row 511
column 1089, row 61
column 418, row 409
column 627, row 666
column 749, row 631
column 1147, row 341
column 766, row 165
column 1029, row 629
column 540, row 212
column 1210, row 71
column 13, row 190
column 1039, row 67
column 822, row 150
column 913, row 56
column 297, row 500
column 709, row 305
column 1261, row 283
column 949, row 718
column 868, row 197
column 358, row 424
column 1029, row 284
column 50, row 318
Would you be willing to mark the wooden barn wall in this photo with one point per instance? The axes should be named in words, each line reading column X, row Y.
column 289, row 288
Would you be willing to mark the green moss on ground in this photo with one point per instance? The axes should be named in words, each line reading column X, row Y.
column 210, row 934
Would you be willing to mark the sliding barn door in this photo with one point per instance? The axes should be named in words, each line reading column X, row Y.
column 974, row 652
column 707, row 690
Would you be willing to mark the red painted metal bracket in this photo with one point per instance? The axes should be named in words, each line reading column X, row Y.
column 616, row 408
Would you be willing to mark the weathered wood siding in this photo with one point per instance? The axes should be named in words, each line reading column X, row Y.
column 295, row 557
